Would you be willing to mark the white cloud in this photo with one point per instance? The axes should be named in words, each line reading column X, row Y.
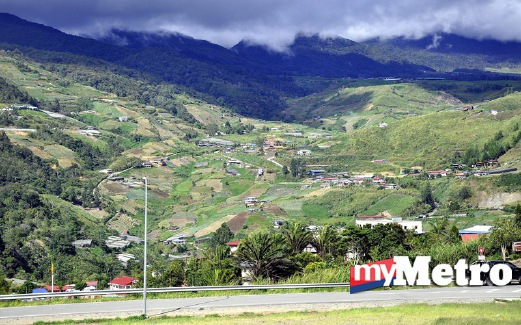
column 275, row 22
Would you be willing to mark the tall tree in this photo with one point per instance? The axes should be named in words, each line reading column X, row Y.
column 517, row 215
column 426, row 195
column 504, row 233
column 296, row 236
column 222, row 235
column 265, row 254
column 326, row 242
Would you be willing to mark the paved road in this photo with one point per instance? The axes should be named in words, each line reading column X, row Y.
column 245, row 303
column 17, row 130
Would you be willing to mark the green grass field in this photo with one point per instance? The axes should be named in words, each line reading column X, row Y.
column 504, row 313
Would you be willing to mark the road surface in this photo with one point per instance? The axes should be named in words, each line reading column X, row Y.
column 256, row 303
column 17, row 130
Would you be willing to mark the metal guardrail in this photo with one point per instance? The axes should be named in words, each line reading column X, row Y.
column 171, row 289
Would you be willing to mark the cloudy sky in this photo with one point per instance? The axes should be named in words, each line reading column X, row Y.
column 276, row 22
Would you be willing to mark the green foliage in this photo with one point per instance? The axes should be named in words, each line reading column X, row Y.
column 296, row 235
column 325, row 242
column 92, row 156
column 11, row 94
column 221, row 236
column 426, row 195
column 505, row 232
column 511, row 182
column 5, row 286
column 358, row 124
column 388, row 240
column 266, row 255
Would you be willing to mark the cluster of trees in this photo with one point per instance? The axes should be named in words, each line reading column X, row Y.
column 33, row 229
column 93, row 157
column 492, row 149
column 11, row 94
column 280, row 256
column 227, row 128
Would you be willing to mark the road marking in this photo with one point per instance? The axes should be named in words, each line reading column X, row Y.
column 489, row 291
column 464, row 291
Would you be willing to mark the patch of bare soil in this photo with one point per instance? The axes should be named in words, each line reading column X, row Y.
column 255, row 192
column 154, row 235
column 116, row 188
column 273, row 209
column 496, row 200
column 237, row 222
column 181, row 219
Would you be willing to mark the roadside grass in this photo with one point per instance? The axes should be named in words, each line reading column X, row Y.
column 448, row 313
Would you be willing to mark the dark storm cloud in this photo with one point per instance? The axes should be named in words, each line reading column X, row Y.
column 275, row 22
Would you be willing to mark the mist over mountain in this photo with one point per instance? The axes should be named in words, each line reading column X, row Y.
column 455, row 44
column 255, row 80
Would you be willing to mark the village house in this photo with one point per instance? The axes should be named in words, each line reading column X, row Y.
column 215, row 142
column 232, row 172
column 92, row 133
column 179, row 239
column 251, row 201
column 121, row 283
column 234, row 162
column 378, row 181
column 437, row 173
column 474, row 232
column 379, row 161
column 310, row 249
column 116, row 242
column 304, row 152
column 132, row 239
column 124, row 258
column 82, row 243
column 316, row 172
column 390, row 186
column 91, row 285
column 233, row 245
column 278, row 223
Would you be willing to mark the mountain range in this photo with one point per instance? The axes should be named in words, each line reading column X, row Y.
column 254, row 80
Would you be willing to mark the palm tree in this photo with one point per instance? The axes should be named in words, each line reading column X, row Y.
column 266, row 255
column 440, row 226
column 326, row 241
column 297, row 237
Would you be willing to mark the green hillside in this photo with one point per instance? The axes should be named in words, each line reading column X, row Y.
column 57, row 186
column 392, row 100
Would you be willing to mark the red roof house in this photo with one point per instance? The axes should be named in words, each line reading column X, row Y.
column 233, row 245
column 124, row 282
column 51, row 289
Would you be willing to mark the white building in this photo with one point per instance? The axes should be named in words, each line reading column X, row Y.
column 417, row 226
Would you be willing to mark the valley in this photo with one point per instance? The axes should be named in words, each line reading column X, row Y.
column 318, row 153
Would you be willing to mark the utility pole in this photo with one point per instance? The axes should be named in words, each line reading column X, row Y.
column 145, row 252
column 52, row 277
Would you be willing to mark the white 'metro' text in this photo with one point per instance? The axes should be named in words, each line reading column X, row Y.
column 441, row 275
